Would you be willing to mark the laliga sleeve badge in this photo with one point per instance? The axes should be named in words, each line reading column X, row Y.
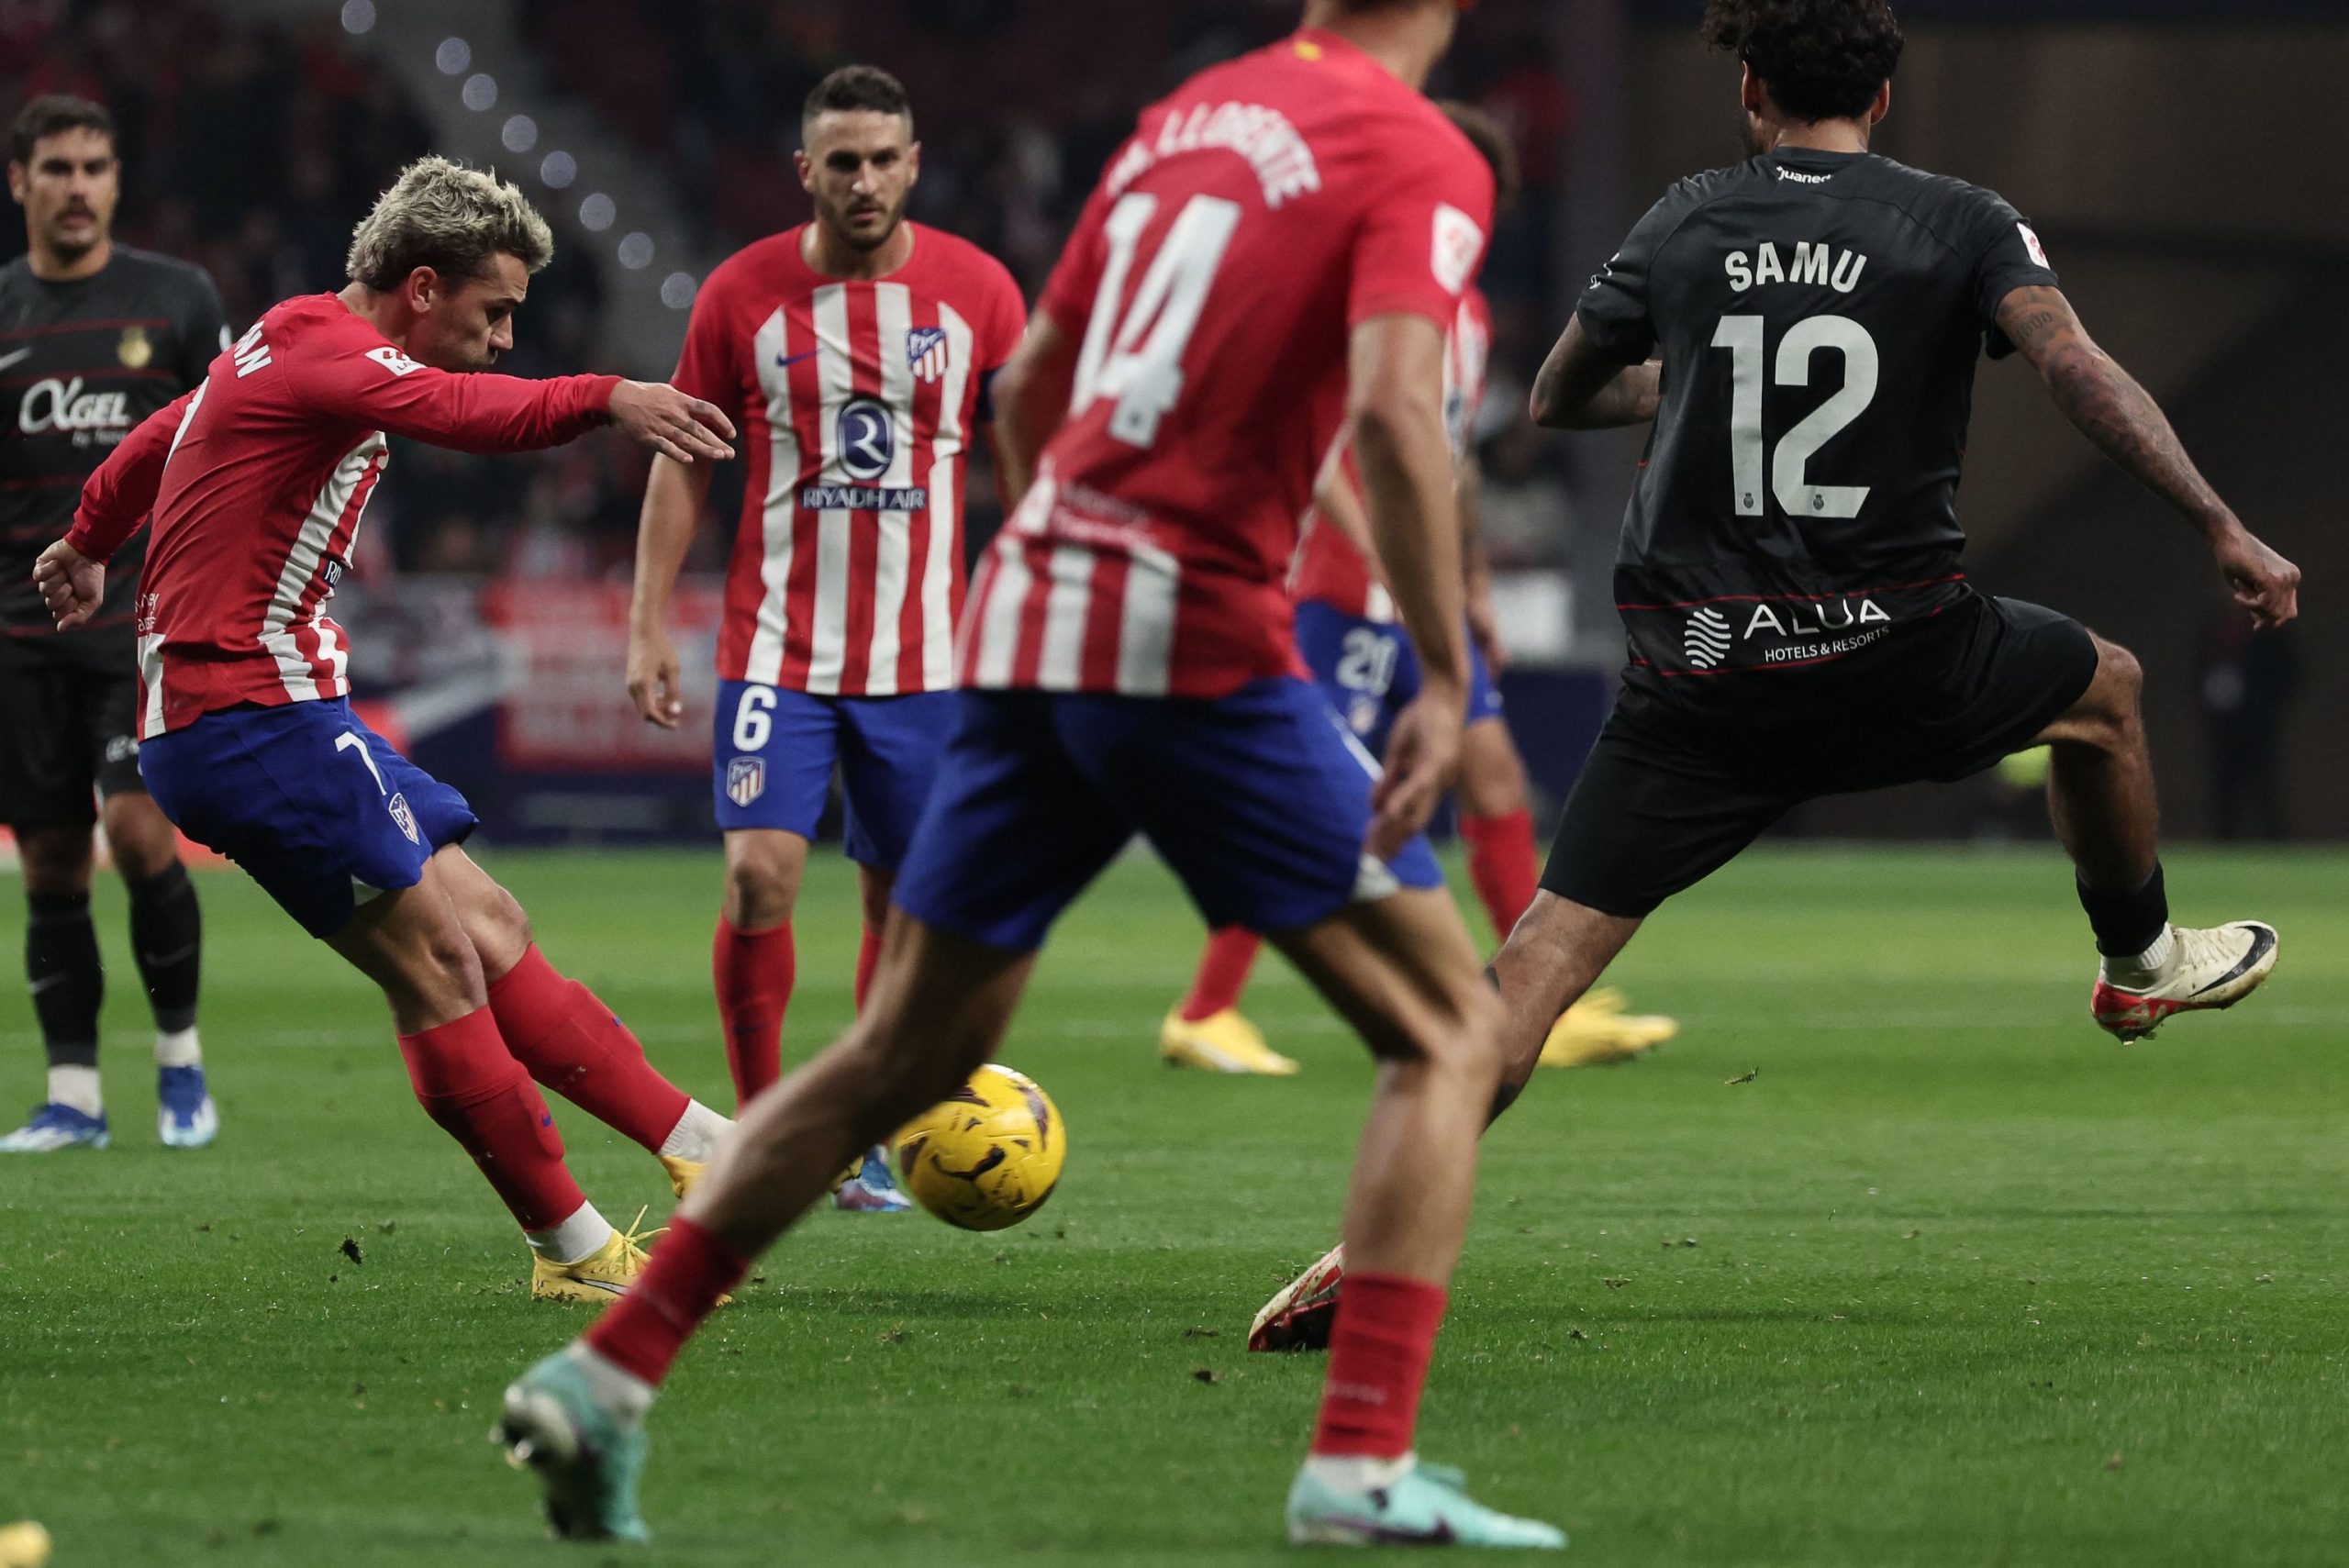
column 1459, row 245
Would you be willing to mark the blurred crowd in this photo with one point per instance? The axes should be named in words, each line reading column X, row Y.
column 252, row 147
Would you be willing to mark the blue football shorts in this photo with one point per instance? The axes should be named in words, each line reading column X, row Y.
column 1260, row 801
column 316, row 806
column 776, row 748
column 1370, row 672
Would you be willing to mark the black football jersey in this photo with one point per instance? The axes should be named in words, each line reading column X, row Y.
column 1819, row 316
column 81, row 364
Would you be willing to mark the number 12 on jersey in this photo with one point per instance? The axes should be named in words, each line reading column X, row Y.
column 1134, row 353
column 1746, row 337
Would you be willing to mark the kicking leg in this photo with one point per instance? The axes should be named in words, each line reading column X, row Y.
column 568, row 1039
column 167, row 941
column 412, row 942
column 940, row 1007
column 2100, row 794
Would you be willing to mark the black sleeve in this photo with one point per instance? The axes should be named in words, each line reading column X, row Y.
column 1617, row 309
column 203, row 329
column 2005, row 255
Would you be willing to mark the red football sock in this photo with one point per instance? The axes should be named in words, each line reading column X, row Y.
column 1379, row 1346
column 466, row 1080
column 1503, row 864
column 1224, row 967
column 754, row 972
column 868, row 959
column 575, row 1045
column 691, row 1270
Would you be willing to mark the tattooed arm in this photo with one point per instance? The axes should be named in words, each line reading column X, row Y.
column 2124, row 422
column 1581, row 389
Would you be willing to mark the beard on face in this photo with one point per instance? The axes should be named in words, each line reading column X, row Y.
column 875, row 238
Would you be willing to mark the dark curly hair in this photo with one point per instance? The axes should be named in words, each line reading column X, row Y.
column 1822, row 60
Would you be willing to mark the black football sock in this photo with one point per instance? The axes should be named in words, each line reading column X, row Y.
column 2127, row 923
column 167, row 938
column 68, row 983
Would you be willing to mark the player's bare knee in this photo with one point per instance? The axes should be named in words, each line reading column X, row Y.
column 55, row 860
column 141, row 837
column 762, row 885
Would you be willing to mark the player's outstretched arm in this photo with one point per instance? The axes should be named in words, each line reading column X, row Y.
column 1581, row 389
column 2120, row 416
column 673, row 499
column 1395, row 415
column 681, row 427
column 72, row 573
column 1031, row 395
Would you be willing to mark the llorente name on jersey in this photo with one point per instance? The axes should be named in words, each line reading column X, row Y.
column 1821, row 263
column 862, row 498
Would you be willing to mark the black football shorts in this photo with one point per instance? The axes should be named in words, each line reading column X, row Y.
column 1687, row 773
column 69, row 727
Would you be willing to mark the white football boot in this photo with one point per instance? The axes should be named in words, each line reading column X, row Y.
column 2201, row 971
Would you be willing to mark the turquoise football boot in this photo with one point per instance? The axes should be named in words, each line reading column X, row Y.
column 588, row 1458
column 1426, row 1507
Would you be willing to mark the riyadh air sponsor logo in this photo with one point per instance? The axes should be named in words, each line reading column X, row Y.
column 864, row 499
column 746, row 780
column 63, row 407
column 1708, row 639
column 868, row 439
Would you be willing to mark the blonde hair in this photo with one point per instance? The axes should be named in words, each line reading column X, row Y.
column 448, row 217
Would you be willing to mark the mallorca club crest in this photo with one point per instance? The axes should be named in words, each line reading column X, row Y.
column 746, row 779
column 136, row 351
column 404, row 818
column 925, row 351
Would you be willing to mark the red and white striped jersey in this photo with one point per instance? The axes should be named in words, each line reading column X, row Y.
column 856, row 402
column 256, row 480
column 1331, row 569
column 1268, row 206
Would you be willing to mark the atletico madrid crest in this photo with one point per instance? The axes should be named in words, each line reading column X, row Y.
column 925, row 351
column 746, row 780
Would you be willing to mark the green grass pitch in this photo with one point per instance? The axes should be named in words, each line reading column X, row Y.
column 1952, row 1280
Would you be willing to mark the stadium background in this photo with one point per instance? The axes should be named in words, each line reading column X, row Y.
column 488, row 603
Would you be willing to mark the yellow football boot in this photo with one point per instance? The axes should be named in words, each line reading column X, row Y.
column 684, row 1175
column 1596, row 1032
column 1221, row 1042
column 606, row 1272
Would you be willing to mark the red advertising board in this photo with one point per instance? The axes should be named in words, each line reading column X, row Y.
column 565, row 706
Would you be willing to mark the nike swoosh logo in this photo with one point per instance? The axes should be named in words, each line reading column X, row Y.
column 781, row 363
column 156, row 961
column 7, row 360
column 2261, row 941
column 37, row 986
